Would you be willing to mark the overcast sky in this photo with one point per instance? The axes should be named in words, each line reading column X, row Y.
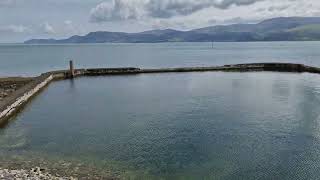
column 25, row 19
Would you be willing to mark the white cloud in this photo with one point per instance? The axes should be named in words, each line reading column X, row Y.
column 68, row 22
column 14, row 29
column 118, row 10
column 70, row 28
column 137, row 9
column 189, row 14
column 48, row 28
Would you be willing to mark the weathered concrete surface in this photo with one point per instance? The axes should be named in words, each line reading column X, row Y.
column 12, row 103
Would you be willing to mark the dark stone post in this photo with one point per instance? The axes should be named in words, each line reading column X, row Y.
column 71, row 69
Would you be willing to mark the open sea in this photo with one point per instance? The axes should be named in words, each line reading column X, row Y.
column 29, row 60
column 184, row 126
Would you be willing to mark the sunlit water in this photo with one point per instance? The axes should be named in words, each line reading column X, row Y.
column 35, row 59
column 176, row 126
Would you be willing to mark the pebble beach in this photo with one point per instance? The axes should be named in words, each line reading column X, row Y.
column 32, row 174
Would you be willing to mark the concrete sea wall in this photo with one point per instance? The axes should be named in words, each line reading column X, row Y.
column 11, row 104
column 279, row 67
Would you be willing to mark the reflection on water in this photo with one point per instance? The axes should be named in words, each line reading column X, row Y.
column 175, row 126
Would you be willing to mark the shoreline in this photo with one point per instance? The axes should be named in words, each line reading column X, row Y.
column 62, row 167
column 34, row 174
column 22, row 94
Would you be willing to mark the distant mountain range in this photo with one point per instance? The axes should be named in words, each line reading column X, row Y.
column 276, row 29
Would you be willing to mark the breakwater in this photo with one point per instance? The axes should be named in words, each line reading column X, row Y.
column 277, row 67
column 11, row 104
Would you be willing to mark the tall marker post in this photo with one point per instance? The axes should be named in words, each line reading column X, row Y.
column 71, row 69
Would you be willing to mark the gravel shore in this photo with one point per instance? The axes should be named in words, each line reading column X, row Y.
column 33, row 174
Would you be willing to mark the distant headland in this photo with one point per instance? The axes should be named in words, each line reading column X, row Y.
column 276, row 29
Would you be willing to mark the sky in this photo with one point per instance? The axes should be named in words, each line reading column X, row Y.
column 21, row 20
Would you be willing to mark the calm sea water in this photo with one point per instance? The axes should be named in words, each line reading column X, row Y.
column 168, row 126
column 35, row 59
column 175, row 126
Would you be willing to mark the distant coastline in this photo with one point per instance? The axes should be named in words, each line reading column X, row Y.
column 276, row 29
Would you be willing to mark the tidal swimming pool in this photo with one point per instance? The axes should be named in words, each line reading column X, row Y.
column 214, row 125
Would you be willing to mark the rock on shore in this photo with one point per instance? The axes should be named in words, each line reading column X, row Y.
column 33, row 174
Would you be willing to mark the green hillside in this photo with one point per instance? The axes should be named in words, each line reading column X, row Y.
column 307, row 32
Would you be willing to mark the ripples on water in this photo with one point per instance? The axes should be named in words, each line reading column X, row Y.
column 177, row 126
